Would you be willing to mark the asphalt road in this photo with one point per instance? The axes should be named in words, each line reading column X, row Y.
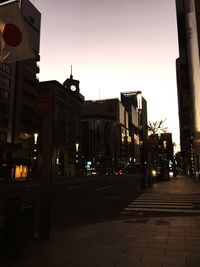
column 77, row 200
column 90, row 200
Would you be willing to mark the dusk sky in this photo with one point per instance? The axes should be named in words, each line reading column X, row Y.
column 114, row 46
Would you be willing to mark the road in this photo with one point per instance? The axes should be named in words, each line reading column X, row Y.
column 77, row 200
column 89, row 200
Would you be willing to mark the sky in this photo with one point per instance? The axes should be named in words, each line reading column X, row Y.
column 114, row 46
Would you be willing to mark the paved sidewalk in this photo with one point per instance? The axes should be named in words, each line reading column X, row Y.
column 128, row 242
column 176, row 185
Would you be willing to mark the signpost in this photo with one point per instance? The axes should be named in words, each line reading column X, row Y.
column 44, row 108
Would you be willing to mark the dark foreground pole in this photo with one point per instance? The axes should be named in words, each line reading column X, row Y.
column 46, row 177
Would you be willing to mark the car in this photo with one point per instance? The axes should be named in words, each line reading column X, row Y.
column 119, row 173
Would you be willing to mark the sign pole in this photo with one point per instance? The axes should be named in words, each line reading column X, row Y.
column 46, row 176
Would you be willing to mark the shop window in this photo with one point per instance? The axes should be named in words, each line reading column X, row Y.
column 21, row 171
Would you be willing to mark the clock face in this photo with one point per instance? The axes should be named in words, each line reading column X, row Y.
column 73, row 88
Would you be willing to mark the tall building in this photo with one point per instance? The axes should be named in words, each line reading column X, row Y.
column 105, row 135
column 162, row 153
column 18, row 93
column 113, row 132
column 136, row 105
column 135, row 100
column 66, row 108
column 188, row 82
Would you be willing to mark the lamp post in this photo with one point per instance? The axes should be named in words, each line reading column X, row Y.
column 77, row 158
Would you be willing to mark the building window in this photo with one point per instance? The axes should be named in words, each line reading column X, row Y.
column 3, row 123
column 4, row 80
column 3, row 136
column 4, row 94
column 21, row 171
column 5, row 68
column 4, row 108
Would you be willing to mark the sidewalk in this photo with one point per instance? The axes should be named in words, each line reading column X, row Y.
column 177, row 185
column 127, row 242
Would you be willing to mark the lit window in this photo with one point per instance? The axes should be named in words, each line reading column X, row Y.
column 21, row 171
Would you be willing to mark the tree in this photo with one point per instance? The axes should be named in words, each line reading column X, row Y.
column 157, row 127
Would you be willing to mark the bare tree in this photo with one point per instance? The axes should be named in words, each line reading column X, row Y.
column 157, row 127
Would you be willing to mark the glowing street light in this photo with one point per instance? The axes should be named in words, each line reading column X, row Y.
column 35, row 135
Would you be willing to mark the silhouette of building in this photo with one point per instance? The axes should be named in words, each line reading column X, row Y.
column 66, row 108
column 137, row 120
column 188, row 82
column 161, row 150
column 112, row 133
column 18, row 122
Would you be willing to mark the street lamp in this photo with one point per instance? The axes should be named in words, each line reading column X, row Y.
column 77, row 154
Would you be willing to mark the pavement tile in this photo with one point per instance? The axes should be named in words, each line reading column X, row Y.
column 193, row 261
column 99, row 241
column 146, row 251
column 96, row 261
column 192, row 248
column 176, row 246
column 176, row 238
column 137, row 264
column 179, row 230
column 120, row 247
column 159, row 237
column 156, row 245
column 121, row 256
column 192, row 238
column 84, row 252
column 133, row 243
column 193, row 243
column 176, row 242
column 182, row 253
column 164, row 259
column 193, row 229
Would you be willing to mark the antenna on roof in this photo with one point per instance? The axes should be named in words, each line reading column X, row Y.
column 71, row 76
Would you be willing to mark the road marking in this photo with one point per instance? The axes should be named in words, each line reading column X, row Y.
column 164, row 203
column 162, row 210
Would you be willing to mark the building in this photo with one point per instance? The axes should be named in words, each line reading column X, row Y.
column 161, row 151
column 188, row 82
column 66, row 127
column 18, row 122
column 136, row 107
column 105, row 135
column 113, row 132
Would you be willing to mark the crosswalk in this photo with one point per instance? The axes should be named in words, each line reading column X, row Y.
column 165, row 203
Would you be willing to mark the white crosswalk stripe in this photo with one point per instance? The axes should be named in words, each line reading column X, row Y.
column 173, row 203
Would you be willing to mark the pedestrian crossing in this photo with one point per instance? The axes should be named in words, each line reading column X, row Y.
column 165, row 203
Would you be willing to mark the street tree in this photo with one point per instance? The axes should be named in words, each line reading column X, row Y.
column 157, row 127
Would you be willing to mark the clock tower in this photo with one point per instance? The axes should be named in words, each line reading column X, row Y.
column 72, row 85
